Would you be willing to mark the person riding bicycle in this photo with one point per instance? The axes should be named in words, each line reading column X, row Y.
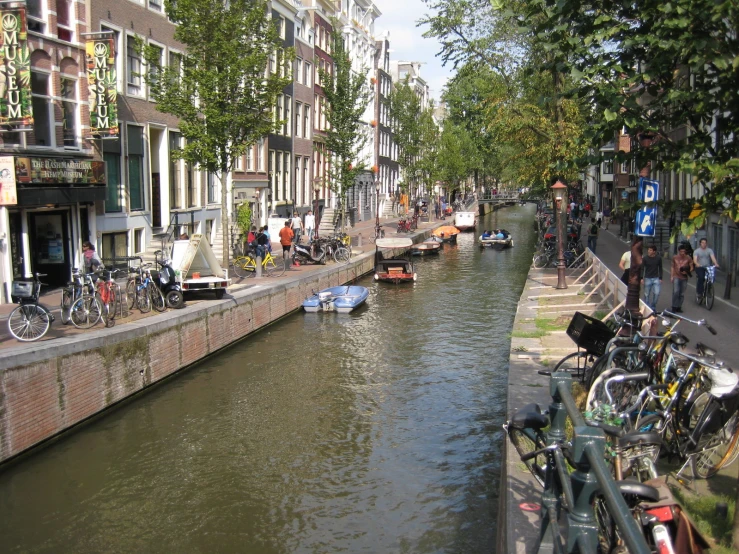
column 703, row 257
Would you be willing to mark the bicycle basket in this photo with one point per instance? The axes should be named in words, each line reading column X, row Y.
column 589, row 333
column 22, row 289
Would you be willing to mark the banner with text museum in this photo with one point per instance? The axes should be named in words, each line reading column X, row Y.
column 15, row 66
column 101, row 81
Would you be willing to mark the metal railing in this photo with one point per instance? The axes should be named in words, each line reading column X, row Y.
column 500, row 197
column 591, row 476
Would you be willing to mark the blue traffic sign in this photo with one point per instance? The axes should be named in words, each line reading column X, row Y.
column 646, row 221
column 648, row 190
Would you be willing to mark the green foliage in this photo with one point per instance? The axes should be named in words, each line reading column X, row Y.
column 243, row 218
column 702, row 510
column 347, row 95
column 404, row 109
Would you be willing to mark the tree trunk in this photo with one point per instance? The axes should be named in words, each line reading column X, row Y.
column 634, row 287
column 224, row 219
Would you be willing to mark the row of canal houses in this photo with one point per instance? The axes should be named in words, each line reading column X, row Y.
column 69, row 176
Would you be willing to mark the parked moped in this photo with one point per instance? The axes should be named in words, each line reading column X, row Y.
column 167, row 282
column 312, row 253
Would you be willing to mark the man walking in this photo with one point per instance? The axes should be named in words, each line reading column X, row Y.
column 296, row 224
column 592, row 234
column 703, row 257
column 680, row 270
column 286, row 239
column 652, row 277
column 310, row 225
column 606, row 216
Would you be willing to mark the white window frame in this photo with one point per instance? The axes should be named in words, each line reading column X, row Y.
column 71, row 24
column 130, row 74
column 41, row 20
column 288, row 113
column 260, row 155
column 75, row 103
column 308, row 75
column 51, row 123
column 299, row 70
column 298, row 119
column 163, row 60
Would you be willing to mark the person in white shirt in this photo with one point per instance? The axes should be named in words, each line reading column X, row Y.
column 296, row 224
column 310, row 225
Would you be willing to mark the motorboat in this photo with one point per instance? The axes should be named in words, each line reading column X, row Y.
column 426, row 248
column 341, row 299
column 446, row 233
column 498, row 244
column 397, row 269
column 465, row 221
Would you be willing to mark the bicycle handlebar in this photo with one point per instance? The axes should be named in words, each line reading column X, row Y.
column 700, row 322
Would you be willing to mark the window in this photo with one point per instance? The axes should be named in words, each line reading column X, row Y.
column 191, row 186
column 211, row 188
column 35, row 16
column 135, row 167
column 113, row 196
column 298, row 118
column 298, row 176
column 306, row 121
column 209, row 231
column 607, row 166
column 175, row 171
column 138, row 241
column 115, row 245
column 308, row 74
column 238, row 163
column 287, row 125
column 299, row 70
column 155, row 5
column 316, row 109
column 273, row 62
column 260, row 155
column 250, row 158
column 155, row 69
column 133, row 67
column 306, row 177
column 281, row 27
column 286, row 175
column 278, row 113
column 64, row 20
column 42, row 113
column 175, row 61
column 69, row 111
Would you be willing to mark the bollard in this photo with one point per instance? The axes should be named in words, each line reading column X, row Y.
column 727, row 290
column 359, row 240
column 259, row 266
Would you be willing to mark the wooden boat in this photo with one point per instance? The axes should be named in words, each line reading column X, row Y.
column 465, row 221
column 445, row 233
column 394, row 270
column 341, row 299
column 498, row 244
column 426, row 248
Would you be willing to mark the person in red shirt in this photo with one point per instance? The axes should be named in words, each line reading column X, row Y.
column 286, row 238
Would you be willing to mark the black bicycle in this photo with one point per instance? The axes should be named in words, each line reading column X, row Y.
column 30, row 321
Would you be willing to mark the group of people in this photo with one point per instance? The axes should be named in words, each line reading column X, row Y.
column 681, row 269
column 499, row 234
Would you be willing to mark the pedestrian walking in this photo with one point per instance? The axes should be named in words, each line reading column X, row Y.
column 599, row 218
column 680, row 270
column 296, row 224
column 652, row 277
column 286, row 238
column 310, row 225
column 625, row 265
column 592, row 235
column 606, row 216
column 703, row 258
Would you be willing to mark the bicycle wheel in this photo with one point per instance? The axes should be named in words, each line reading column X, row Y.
column 157, row 298
column 718, row 449
column 597, row 396
column 245, row 266
column 143, row 300
column 541, row 261
column 709, row 292
column 525, row 445
column 131, row 294
column 86, row 312
column 275, row 266
column 66, row 305
column 342, row 256
column 28, row 322
column 577, row 363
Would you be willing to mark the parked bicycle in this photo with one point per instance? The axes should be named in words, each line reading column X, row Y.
column 142, row 292
column 109, row 293
column 30, row 321
column 246, row 266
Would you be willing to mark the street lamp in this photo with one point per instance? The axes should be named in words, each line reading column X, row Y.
column 377, row 207
column 559, row 191
column 316, row 189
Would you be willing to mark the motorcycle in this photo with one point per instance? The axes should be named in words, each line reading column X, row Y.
column 167, row 282
column 312, row 253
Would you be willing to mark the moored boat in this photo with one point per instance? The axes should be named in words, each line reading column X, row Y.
column 498, row 244
column 394, row 270
column 465, row 221
column 426, row 248
column 342, row 299
column 445, row 233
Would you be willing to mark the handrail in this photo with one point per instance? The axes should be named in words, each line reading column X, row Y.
column 591, row 476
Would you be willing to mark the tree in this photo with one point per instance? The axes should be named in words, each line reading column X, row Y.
column 429, row 145
column 347, row 96
column 220, row 92
column 405, row 111
column 456, row 151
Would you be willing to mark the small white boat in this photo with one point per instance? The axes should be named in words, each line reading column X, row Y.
column 426, row 248
column 498, row 244
column 341, row 299
column 465, row 221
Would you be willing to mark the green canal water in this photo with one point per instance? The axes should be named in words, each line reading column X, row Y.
column 377, row 431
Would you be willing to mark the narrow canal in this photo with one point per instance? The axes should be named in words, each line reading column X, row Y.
column 377, row 431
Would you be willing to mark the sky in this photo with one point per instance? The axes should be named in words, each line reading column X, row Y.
column 407, row 43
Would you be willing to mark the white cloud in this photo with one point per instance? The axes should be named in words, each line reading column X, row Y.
column 400, row 17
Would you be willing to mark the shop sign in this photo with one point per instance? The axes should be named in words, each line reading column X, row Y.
column 15, row 64
column 56, row 171
column 101, row 82
column 8, row 193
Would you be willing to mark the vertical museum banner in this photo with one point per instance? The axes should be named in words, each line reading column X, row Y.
column 8, row 193
column 15, row 69
column 101, row 81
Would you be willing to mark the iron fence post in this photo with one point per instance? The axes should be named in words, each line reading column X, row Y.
column 580, row 516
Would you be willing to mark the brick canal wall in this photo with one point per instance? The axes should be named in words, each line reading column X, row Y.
column 51, row 386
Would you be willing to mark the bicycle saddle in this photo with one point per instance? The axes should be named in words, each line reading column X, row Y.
column 530, row 416
column 637, row 438
column 704, row 349
column 678, row 339
column 644, row 492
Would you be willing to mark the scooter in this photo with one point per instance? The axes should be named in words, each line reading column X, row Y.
column 312, row 253
column 167, row 282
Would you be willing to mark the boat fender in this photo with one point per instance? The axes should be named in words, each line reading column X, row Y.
column 377, row 277
column 415, row 277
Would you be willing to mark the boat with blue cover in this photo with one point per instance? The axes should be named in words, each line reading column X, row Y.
column 342, row 299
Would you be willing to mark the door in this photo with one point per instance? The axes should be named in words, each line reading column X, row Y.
column 49, row 236
column 16, row 244
column 156, row 201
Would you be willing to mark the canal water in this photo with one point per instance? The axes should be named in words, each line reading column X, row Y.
column 377, row 431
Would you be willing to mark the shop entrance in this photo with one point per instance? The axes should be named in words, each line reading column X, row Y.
column 49, row 236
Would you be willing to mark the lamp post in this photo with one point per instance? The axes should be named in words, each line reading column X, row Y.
column 316, row 190
column 377, row 208
column 559, row 191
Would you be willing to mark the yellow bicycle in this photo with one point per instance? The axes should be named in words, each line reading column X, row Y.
column 246, row 266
